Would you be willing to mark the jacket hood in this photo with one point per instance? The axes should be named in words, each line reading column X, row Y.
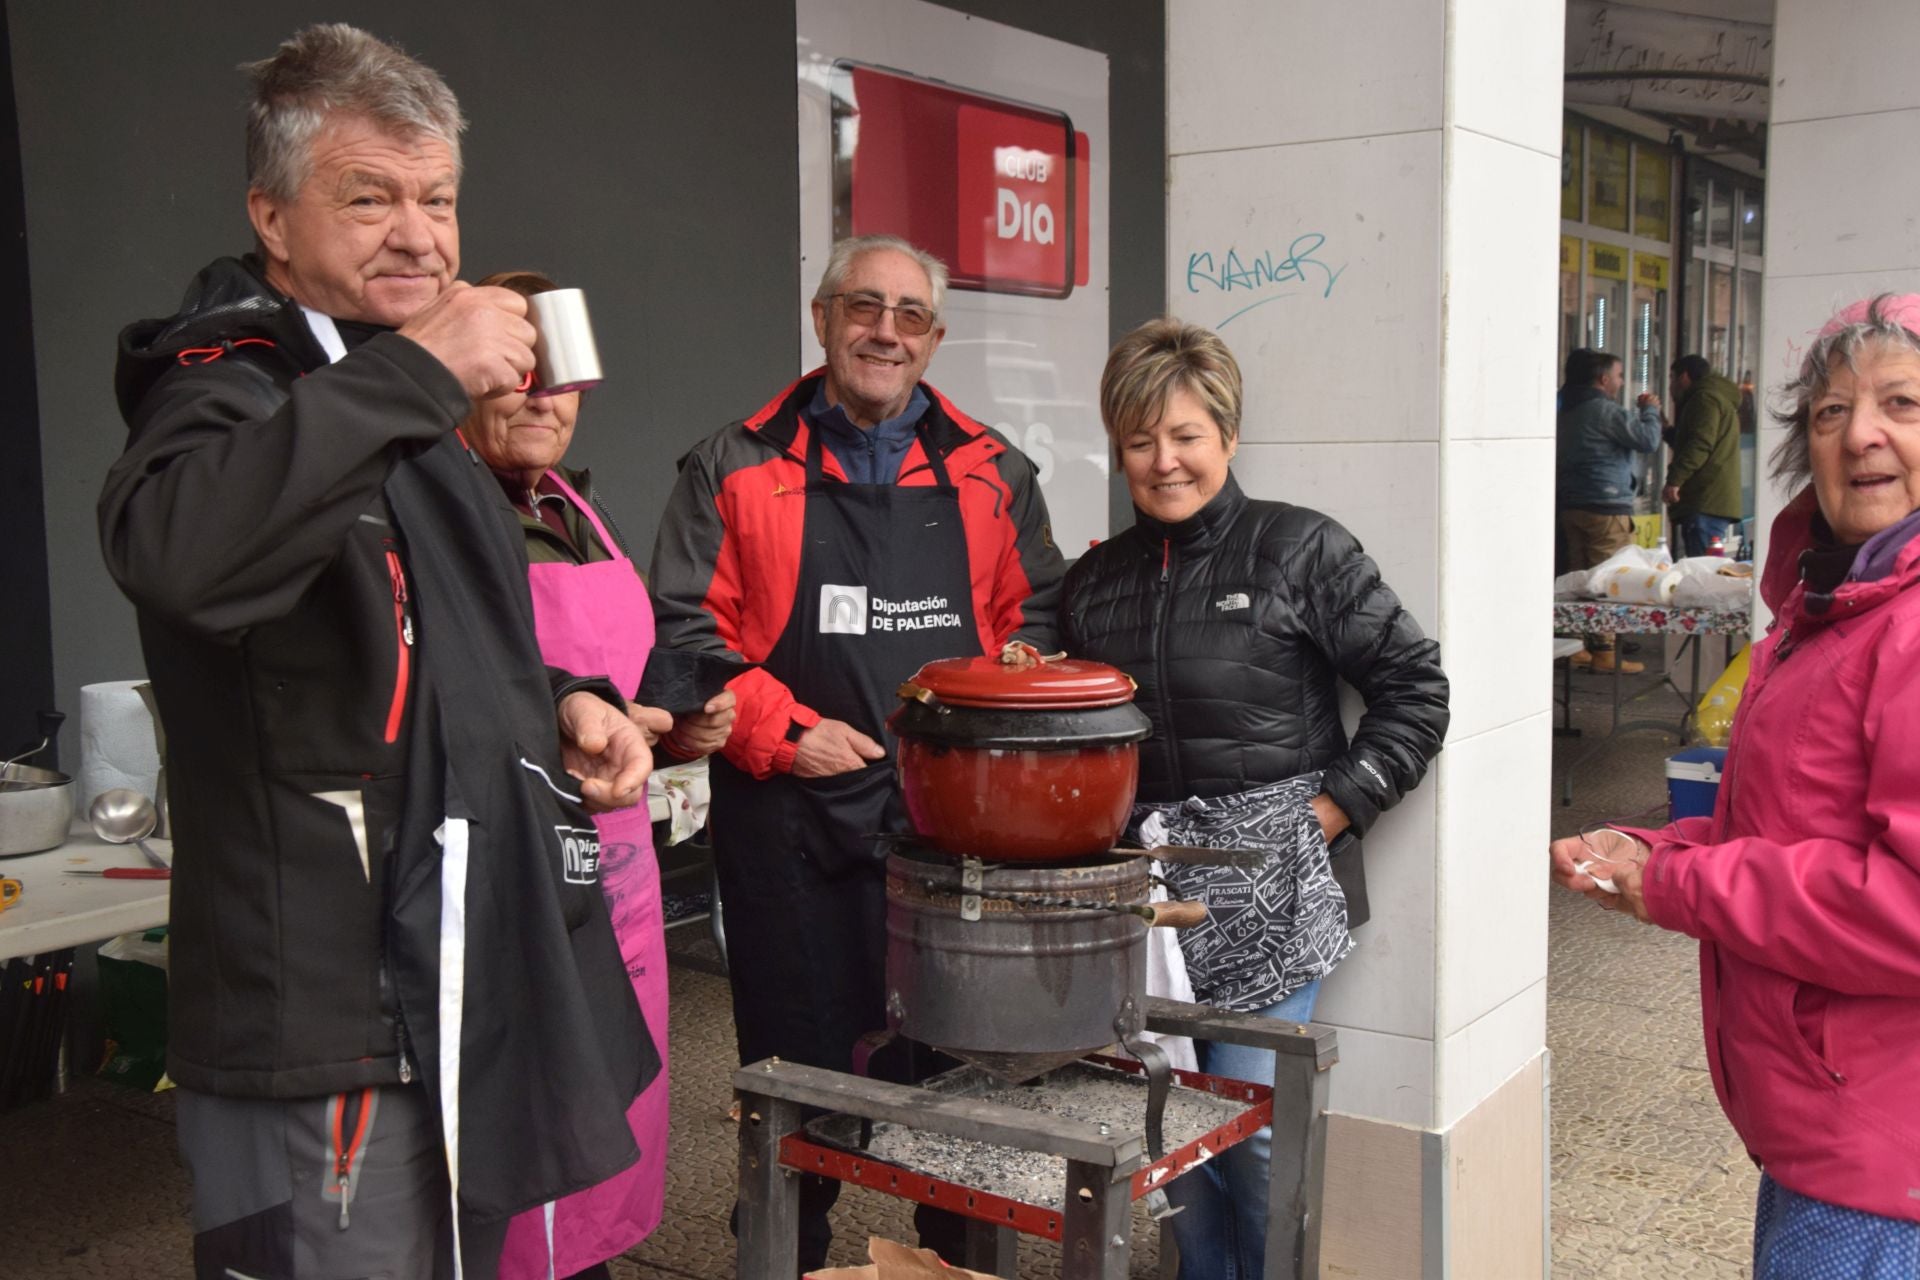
column 1789, row 535
column 227, row 304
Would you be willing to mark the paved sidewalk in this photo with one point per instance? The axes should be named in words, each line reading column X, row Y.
column 1648, row 1179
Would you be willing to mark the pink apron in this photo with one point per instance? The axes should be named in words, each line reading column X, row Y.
column 595, row 619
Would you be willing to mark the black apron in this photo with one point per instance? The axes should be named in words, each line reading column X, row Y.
column 883, row 588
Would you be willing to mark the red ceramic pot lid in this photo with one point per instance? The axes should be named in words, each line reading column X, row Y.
column 1068, row 683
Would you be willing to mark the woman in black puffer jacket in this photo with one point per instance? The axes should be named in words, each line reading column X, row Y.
column 1237, row 618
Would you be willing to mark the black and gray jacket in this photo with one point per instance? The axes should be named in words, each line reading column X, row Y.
column 332, row 602
column 1238, row 624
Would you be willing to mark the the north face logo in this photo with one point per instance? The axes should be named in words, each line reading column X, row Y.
column 1233, row 600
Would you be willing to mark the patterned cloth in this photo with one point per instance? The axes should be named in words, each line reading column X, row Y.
column 1796, row 1237
column 1269, row 930
column 1604, row 617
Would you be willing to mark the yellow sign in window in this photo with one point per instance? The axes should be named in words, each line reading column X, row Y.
column 1569, row 253
column 1607, row 261
column 1650, row 269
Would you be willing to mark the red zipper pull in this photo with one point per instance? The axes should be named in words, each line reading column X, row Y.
column 1166, row 556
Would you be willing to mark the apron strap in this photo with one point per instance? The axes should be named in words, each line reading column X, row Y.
column 593, row 517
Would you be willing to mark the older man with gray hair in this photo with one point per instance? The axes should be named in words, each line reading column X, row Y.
column 368, row 757
column 857, row 526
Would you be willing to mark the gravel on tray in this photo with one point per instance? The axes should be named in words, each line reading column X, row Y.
column 1097, row 1095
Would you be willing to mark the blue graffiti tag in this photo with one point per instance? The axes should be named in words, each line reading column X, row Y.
column 1263, row 270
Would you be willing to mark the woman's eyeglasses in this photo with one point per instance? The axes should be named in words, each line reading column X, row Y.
column 910, row 318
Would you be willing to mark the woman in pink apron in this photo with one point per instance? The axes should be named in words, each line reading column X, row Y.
column 592, row 616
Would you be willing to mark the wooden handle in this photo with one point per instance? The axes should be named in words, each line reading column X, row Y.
column 1178, row 915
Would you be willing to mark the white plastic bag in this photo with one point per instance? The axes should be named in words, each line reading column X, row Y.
column 1634, row 575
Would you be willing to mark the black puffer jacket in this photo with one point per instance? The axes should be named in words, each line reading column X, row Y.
column 1236, row 623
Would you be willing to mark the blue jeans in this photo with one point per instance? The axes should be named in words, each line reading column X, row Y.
column 1222, row 1224
column 1697, row 532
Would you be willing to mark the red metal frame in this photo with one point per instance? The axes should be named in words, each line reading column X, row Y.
column 831, row 1162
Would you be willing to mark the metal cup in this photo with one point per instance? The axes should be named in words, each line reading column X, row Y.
column 564, row 353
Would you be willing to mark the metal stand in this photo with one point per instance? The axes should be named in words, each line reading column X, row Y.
column 1106, row 1168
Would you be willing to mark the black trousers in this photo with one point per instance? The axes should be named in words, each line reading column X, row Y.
column 806, row 957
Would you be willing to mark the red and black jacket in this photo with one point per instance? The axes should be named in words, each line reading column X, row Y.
column 726, row 563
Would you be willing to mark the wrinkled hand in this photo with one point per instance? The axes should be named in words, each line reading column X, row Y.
column 480, row 334
column 654, row 723
column 605, row 751
column 706, row 730
column 1670, row 494
column 1626, row 873
column 834, row 746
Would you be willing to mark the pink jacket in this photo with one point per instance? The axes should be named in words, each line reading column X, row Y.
column 1804, row 889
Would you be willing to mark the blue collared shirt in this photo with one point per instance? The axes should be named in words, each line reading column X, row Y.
column 868, row 455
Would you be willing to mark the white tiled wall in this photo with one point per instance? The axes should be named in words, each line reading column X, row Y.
column 1255, row 73
column 1500, row 303
column 1844, row 209
column 1492, row 887
column 1840, row 60
column 1496, row 581
column 1500, row 84
column 1840, row 185
column 1412, row 400
column 1345, row 351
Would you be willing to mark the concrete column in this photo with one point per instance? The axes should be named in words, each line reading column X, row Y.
column 1842, row 193
column 1363, row 201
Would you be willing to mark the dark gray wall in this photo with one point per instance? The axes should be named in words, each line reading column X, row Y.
column 645, row 152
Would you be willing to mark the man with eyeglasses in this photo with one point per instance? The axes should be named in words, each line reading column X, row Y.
column 855, row 527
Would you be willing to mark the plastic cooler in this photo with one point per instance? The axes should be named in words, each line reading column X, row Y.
column 1693, row 781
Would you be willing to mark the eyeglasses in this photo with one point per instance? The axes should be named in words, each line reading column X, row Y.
column 911, row 318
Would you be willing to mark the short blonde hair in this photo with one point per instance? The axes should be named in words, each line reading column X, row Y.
column 1155, row 360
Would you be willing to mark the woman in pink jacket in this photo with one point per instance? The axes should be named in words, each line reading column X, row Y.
column 1804, row 885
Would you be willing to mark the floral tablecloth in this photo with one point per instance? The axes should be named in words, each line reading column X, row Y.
column 1607, row 617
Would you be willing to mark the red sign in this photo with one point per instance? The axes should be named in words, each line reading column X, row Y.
column 996, row 189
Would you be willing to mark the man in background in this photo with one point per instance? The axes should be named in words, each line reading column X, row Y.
column 1597, row 459
column 1703, row 479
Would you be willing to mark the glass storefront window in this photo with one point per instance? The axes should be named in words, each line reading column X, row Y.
column 1647, row 367
column 1652, row 193
column 1751, row 237
column 1720, row 217
column 1719, row 315
column 1572, row 155
column 1569, row 296
column 1607, row 321
column 1746, row 346
column 1607, row 181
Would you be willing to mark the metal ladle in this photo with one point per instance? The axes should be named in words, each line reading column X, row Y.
column 123, row 816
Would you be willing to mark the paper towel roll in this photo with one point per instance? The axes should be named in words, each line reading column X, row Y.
column 116, row 741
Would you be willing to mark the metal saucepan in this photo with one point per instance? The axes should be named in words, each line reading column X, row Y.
column 36, row 808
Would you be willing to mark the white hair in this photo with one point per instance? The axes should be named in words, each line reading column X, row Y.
column 329, row 69
column 846, row 252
